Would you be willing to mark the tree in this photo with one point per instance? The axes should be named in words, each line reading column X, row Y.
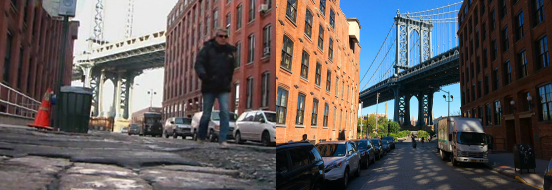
column 395, row 127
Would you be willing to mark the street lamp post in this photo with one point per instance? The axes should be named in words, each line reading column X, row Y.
column 151, row 93
column 449, row 100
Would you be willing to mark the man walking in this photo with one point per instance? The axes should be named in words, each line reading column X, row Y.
column 215, row 65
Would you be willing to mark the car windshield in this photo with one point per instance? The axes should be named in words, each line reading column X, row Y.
column 363, row 145
column 384, row 142
column 374, row 142
column 270, row 116
column 469, row 138
column 216, row 117
column 331, row 150
column 133, row 126
column 185, row 121
column 390, row 139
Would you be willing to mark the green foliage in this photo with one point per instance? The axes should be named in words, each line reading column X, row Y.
column 395, row 127
column 422, row 133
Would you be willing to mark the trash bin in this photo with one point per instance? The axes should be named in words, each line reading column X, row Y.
column 524, row 158
column 75, row 103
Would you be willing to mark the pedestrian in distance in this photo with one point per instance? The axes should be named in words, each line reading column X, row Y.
column 305, row 137
column 215, row 65
column 422, row 141
column 413, row 142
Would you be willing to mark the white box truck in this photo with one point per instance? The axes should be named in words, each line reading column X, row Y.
column 462, row 140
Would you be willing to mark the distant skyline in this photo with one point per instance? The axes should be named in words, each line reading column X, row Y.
column 147, row 19
column 376, row 18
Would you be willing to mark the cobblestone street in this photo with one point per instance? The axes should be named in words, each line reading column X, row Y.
column 422, row 168
column 31, row 159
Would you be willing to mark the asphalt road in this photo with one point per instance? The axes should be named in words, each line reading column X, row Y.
column 422, row 168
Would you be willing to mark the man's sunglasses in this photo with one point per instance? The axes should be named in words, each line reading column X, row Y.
column 223, row 36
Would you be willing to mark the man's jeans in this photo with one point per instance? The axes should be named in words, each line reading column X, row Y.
column 208, row 102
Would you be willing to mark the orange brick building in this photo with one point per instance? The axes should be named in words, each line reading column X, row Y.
column 251, row 28
column 317, row 71
column 505, row 71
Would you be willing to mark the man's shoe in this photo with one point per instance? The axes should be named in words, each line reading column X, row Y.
column 224, row 144
column 200, row 141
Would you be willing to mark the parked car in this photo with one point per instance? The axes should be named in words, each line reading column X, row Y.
column 124, row 130
column 386, row 146
column 366, row 150
column 152, row 124
column 178, row 126
column 214, row 125
column 548, row 177
column 133, row 129
column 299, row 166
column 341, row 158
column 259, row 126
column 378, row 148
column 390, row 140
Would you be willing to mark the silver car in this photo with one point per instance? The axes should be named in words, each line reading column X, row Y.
column 214, row 125
column 341, row 158
column 178, row 126
column 259, row 126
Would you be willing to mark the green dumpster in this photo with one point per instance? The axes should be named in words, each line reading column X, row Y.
column 75, row 103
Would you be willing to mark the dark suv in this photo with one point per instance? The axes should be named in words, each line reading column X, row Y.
column 367, row 152
column 299, row 166
column 548, row 177
column 390, row 140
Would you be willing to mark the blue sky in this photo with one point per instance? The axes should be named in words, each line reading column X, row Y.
column 376, row 18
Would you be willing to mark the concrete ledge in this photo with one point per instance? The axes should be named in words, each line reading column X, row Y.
column 504, row 171
column 11, row 120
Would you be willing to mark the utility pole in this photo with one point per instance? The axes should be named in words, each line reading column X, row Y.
column 361, row 120
column 377, row 105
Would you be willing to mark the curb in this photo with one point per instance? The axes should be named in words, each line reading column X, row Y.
column 516, row 177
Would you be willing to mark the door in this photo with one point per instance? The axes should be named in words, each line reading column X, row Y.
column 300, row 170
column 510, row 135
column 526, row 131
column 245, row 128
column 257, row 126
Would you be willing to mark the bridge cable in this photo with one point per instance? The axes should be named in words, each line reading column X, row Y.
column 392, row 26
column 380, row 63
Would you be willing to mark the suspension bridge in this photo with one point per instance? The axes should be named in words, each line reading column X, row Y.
column 418, row 56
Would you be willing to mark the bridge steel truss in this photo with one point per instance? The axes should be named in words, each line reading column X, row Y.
column 404, row 26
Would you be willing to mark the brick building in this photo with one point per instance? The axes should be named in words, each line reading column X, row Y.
column 504, row 61
column 251, row 26
column 317, row 74
column 30, row 42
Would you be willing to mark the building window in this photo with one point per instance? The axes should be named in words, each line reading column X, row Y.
column 249, row 94
column 238, row 54
column 496, row 77
column 494, row 55
column 482, row 7
column 236, row 97
column 287, row 53
column 477, row 65
column 519, row 26
column 505, row 44
column 498, row 113
column 228, row 21
column 308, row 24
column 486, row 81
column 336, row 86
column 342, row 89
column 300, row 109
column 291, row 10
column 321, row 38
column 239, row 17
column 252, row 11
column 476, row 40
column 334, row 118
column 265, row 89
column 488, row 120
column 542, row 53
column 325, row 120
column 251, row 50
column 328, row 81
column 332, row 18
column 507, row 73
column 545, row 104
column 215, row 19
column 318, row 74
column 471, row 70
column 323, row 7
column 480, row 112
column 267, row 38
column 522, row 64
column 305, row 65
column 479, row 89
column 7, row 58
column 538, row 11
column 269, row 3
column 473, row 92
column 493, row 20
column 330, row 50
column 281, row 105
column 504, row 9
column 314, row 119
column 20, row 68
column 484, row 29
column 485, row 58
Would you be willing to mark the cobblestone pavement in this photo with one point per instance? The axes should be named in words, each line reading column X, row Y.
column 31, row 159
column 422, row 168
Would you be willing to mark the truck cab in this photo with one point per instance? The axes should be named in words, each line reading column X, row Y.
column 462, row 140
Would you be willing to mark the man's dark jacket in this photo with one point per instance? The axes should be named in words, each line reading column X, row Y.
column 215, row 67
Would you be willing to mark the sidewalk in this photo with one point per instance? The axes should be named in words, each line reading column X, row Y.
column 504, row 163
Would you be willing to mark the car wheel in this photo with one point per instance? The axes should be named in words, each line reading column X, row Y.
column 345, row 179
column 212, row 136
column 238, row 138
column 357, row 173
column 368, row 162
column 374, row 159
column 453, row 161
column 378, row 157
column 174, row 135
column 265, row 139
column 194, row 136
column 442, row 154
column 166, row 135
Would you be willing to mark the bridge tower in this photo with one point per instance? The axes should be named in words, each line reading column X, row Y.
column 404, row 26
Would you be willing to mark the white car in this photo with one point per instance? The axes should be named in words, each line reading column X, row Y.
column 214, row 125
column 178, row 126
column 341, row 158
column 259, row 126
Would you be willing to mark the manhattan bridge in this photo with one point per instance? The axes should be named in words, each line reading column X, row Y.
column 419, row 55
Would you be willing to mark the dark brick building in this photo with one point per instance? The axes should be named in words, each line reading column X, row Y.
column 251, row 27
column 317, row 65
column 30, row 42
column 505, row 60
